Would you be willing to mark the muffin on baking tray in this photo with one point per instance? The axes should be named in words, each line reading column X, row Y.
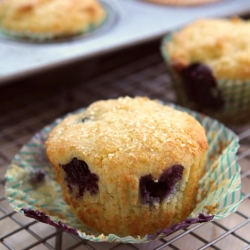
column 49, row 19
column 129, row 166
column 209, row 60
column 183, row 2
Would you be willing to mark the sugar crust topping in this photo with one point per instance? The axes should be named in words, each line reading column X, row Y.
column 222, row 44
column 50, row 16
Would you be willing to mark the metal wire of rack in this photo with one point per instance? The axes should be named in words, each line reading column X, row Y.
column 30, row 108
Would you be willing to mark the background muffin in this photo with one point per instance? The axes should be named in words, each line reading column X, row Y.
column 210, row 64
column 129, row 166
column 43, row 19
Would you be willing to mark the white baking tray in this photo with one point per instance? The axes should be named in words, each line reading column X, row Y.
column 130, row 22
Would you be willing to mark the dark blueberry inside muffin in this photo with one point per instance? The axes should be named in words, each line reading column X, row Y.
column 37, row 178
column 201, row 86
column 155, row 191
column 84, row 119
column 79, row 177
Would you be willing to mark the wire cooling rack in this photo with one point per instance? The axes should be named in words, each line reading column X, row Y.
column 26, row 108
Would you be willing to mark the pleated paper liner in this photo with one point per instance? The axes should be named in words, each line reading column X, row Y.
column 235, row 94
column 27, row 36
column 31, row 187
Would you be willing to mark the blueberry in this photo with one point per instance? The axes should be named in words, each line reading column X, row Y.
column 201, row 86
column 84, row 119
column 79, row 176
column 37, row 178
column 151, row 191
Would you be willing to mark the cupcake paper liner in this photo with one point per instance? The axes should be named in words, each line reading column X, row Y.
column 31, row 187
column 23, row 35
column 43, row 37
column 235, row 94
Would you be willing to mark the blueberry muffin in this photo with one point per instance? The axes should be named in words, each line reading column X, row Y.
column 49, row 19
column 129, row 166
column 183, row 2
column 209, row 60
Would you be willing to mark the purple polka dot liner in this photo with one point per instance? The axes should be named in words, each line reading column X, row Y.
column 31, row 187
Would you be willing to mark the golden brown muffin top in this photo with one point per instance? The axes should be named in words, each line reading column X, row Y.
column 56, row 17
column 130, row 136
column 223, row 45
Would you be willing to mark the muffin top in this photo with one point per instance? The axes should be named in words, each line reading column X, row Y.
column 221, row 44
column 50, row 17
column 130, row 136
